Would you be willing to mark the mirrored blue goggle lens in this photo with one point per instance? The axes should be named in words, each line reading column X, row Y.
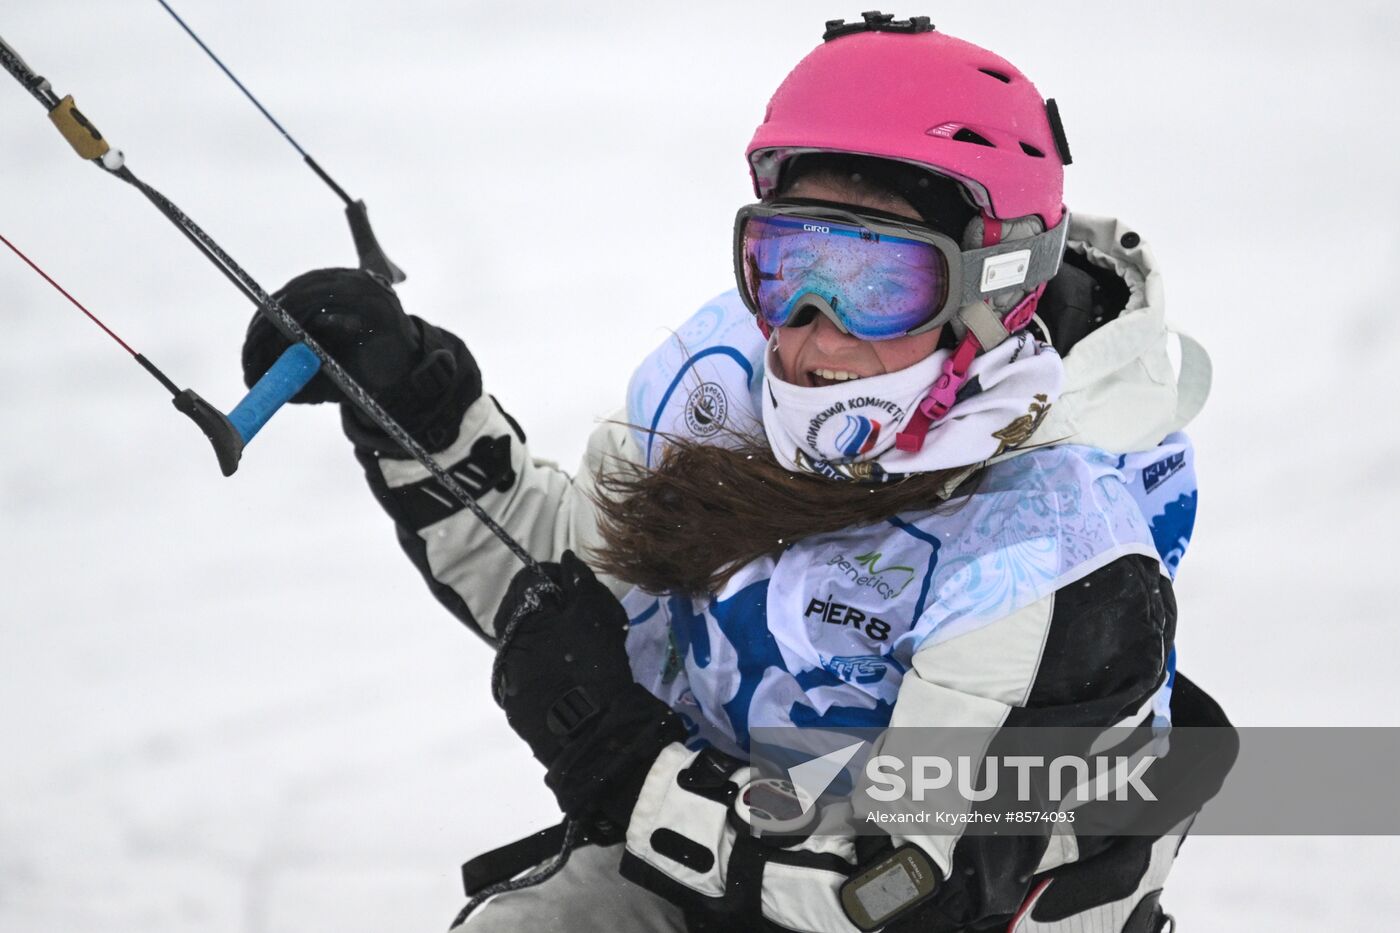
column 879, row 286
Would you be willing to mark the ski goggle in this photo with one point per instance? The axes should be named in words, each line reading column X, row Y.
column 877, row 277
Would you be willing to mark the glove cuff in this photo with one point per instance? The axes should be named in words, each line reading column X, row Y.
column 599, row 775
column 429, row 402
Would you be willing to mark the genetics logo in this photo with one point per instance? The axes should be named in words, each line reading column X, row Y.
column 889, row 581
column 706, row 410
column 858, row 436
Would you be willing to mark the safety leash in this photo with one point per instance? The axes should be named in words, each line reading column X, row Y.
column 145, row 363
column 90, row 145
column 229, row 433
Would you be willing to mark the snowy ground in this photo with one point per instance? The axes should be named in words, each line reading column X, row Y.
column 230, row 705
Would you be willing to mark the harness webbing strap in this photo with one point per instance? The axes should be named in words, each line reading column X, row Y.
column 570, row 840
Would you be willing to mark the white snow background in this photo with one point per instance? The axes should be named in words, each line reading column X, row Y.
column 231, row 705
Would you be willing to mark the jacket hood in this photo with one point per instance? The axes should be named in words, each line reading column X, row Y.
column 1121, row 392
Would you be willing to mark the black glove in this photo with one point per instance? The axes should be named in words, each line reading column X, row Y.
column 422, row 375
column 351, row 313
column 568, row 692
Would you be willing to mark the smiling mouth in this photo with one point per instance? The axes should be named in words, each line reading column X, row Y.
column 830, row 377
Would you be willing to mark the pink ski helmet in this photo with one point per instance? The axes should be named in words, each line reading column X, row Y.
column 896, row 89
column 899, row 90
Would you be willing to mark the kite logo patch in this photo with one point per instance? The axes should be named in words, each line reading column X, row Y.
column 1153, row 476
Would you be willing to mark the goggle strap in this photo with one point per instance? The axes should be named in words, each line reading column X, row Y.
column 991, row 230
column 982, row 319
column 1045, row 252
column 1019, row 316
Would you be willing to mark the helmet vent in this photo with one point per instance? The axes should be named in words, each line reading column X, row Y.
column 1003, row 78
column 966, row 135
column 1030, row 150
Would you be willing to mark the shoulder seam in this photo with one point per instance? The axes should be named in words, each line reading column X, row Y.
column 1040, row 652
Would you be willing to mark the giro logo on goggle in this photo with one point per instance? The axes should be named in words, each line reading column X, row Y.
column 815, row 228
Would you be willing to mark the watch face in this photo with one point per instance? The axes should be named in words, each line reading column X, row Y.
column 775, row 807
column 773, row 800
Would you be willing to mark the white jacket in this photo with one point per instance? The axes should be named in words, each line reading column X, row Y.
column 1121, row 395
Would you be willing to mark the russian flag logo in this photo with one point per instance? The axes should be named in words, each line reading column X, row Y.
column 858, row 436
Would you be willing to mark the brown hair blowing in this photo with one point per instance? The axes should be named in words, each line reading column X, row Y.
column 704, row 511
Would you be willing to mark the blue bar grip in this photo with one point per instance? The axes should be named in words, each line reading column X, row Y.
column 288, row 376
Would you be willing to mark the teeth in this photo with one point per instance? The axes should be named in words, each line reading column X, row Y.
column 837, row 375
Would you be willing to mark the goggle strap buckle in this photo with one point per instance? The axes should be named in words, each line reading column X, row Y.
column 941, row 396
column 944, row 393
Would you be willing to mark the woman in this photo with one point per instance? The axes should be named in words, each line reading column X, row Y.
column 903, row 498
